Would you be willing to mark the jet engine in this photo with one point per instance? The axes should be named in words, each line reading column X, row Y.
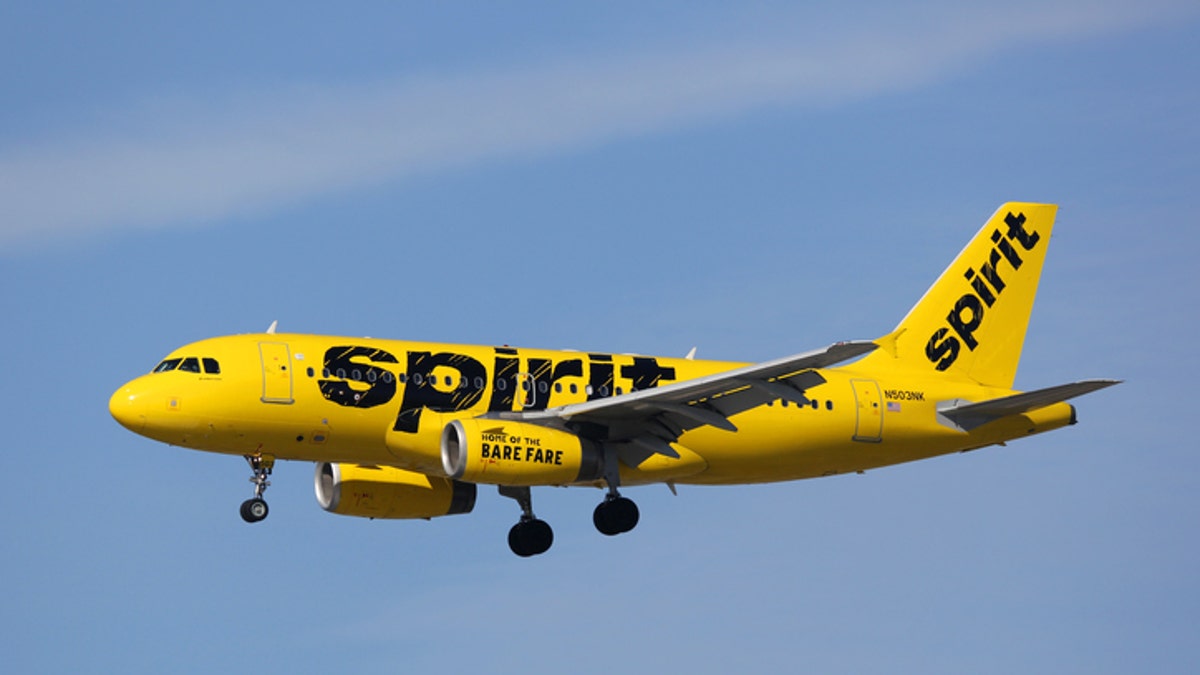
column 388, row 492
column 499, row 452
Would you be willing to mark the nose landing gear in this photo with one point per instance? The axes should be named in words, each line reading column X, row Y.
column 255, row 509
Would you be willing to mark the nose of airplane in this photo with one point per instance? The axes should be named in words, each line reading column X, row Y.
column 128, row 408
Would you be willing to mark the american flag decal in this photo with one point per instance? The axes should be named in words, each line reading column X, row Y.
column 893, row 406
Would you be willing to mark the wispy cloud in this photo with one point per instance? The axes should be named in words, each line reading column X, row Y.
column 176, row 162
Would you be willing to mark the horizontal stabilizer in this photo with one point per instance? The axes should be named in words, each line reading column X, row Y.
column 967, row 416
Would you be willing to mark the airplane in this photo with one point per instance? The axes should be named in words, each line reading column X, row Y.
column 407, row 430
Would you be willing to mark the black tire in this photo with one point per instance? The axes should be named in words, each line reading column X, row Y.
column 530, row 537
column 254, row 510
column 625, row 513
column 615, row 516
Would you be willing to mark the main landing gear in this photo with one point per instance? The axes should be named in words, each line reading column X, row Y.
column 616, row 514
column 255, row 509
column 530, row 536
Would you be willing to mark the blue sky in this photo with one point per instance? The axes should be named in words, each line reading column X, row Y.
column 755, row 180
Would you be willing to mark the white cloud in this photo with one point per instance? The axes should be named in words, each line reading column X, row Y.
column 195, row 161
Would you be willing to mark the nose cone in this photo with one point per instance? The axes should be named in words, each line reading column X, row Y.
column 128, row 408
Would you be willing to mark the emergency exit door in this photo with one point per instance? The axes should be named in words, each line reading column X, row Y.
column 868, row 425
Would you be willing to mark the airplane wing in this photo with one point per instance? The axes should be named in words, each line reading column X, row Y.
column 967, row 416
column 653, row 418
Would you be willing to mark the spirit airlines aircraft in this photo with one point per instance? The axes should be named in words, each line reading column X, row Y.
column 410, row 429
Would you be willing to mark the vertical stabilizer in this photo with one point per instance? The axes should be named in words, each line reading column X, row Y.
column 971, row 323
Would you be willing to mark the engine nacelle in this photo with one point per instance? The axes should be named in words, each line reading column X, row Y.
column 499, row 452
column 388, row 492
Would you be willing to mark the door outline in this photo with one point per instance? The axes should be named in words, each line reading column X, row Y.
column 868, row 411
column 276, row 360
column 526, row 391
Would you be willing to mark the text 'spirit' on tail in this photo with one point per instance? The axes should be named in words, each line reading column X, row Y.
column 971, row 322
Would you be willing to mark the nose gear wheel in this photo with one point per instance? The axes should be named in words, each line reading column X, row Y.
column 255, row 509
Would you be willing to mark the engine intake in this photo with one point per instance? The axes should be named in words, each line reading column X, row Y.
column 388, row 492
column 499, row 452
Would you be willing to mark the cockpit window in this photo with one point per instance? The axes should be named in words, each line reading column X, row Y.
column 190, row 365
column 169, row 364
column 211, row 366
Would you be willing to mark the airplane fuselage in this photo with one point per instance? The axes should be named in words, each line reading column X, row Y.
column 370, row 401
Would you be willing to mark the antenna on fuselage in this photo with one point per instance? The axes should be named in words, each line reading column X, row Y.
column 272, row 327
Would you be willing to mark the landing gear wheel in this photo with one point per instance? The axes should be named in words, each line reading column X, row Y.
column 254, row 510
column 530, row 537
column 615, row 515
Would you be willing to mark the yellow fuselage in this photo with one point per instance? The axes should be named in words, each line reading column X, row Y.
column 385, row 402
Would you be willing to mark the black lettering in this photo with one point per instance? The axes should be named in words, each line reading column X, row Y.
column 600, row 375
column 980, row 287
column 504, row 382
column 1016, row 231
column 966, row 328
column 423, row 394
column 941, row 349
column 988, row 270
column 379, row 389
column 646, row 373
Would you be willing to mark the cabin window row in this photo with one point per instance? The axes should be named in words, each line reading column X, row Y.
column 371, row 376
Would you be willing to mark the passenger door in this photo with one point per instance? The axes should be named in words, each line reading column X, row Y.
column 277, row 372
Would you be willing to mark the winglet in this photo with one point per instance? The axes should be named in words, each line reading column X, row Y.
column 272, row 327
column 691, row 355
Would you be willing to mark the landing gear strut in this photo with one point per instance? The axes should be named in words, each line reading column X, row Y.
column 616, row 514
column 530, row 536
column 255, row 509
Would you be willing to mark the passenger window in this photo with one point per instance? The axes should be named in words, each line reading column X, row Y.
column 815, row 403
column 829, row 405
column 310, row 372
column 558, row 387
column 213, row 368
column 387, row 377
column 543, row 387
column 574, row 389
column 169, row 364
column 479, row 383
column 501, row 384
column 190, row 365
column 403, row 377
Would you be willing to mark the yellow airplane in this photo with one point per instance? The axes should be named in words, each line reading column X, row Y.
column 409, row 429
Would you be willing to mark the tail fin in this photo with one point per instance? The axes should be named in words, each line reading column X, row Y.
column 971, row 322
